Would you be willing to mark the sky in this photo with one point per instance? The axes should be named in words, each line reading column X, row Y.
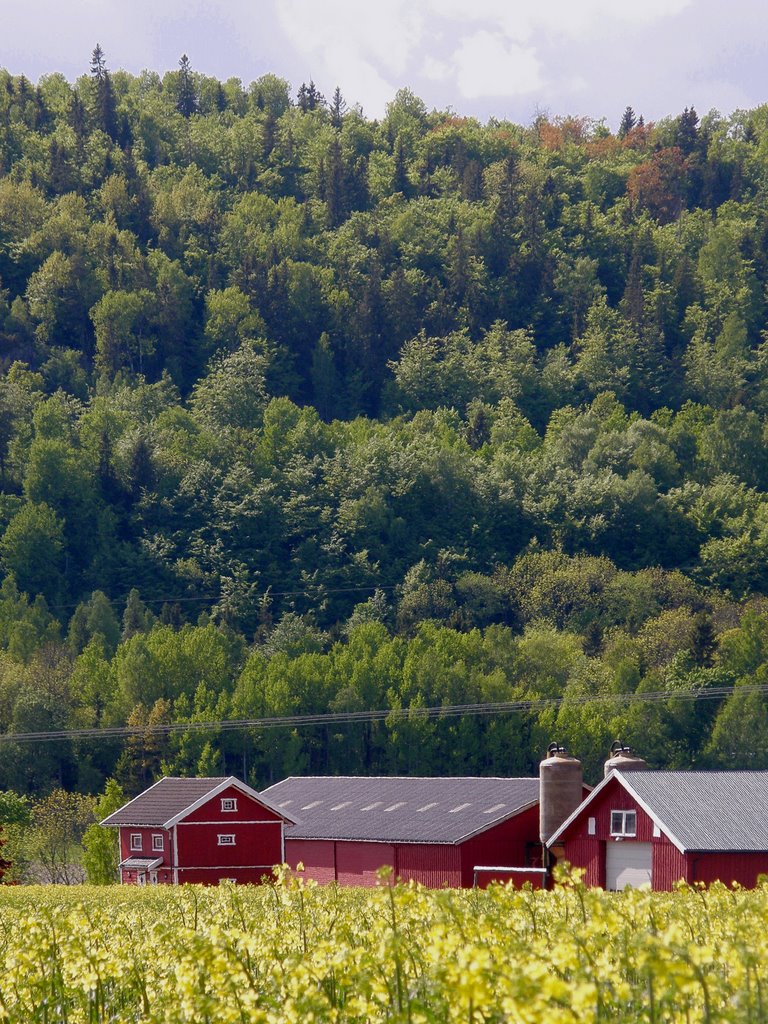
column 506, row 59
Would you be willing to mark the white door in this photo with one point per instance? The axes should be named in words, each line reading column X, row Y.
column 627, row 864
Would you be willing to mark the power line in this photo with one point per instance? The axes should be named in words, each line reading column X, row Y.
column 351, row 717
column 208, row 598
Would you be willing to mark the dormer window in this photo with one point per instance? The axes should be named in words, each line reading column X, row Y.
column 229, row 803
column 623, row 823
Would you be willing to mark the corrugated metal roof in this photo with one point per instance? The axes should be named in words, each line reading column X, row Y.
column 141, row 863
column 706, row 811
column 163, row 801
column 398, row 810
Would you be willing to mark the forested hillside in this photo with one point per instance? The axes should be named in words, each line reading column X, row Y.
column 304, row 412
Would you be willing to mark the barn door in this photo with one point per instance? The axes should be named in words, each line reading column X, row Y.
column 627, row 864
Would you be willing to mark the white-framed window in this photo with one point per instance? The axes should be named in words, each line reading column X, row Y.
column 227, row 839
column 136, row 841
column 158, row 842
column 229, row 803
column 591, row 826
column 623, row 823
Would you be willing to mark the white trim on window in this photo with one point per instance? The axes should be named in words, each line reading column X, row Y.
column 229, row 804
column 623, row 823
column 226, row 839
column 137, row 842
column 591, row 826
column 158, row 842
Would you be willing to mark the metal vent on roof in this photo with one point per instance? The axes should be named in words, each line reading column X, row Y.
column 308, row 807
column 427, row 807
column 461, row 807
column 370, row 807
column 341, row 806
column 496, row 807
column 394, row 807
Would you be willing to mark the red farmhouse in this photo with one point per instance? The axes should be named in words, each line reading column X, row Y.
column 198, row 830
column 658, row 827
column 433, row 831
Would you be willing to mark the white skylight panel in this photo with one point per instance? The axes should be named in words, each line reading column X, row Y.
column 496, row 807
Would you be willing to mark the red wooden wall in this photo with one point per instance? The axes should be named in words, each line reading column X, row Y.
column 586, row 851
column 258, row 844
column 513, row 843
column 743, row 868
column 669, row 865
column 436, row 865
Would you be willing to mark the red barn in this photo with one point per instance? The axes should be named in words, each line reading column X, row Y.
column 198, row 830
column 658, row 827
column 433, row 831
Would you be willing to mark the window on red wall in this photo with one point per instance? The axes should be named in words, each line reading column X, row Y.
column 136, row 842
column 157, row 843
column 226, row 840
column 623, row 823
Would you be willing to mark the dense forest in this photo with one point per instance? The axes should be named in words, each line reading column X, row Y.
column 304, row 412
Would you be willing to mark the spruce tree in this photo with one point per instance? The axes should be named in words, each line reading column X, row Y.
column 628, row 122
column 186, row 101
column 105, row 108
column 338, row 108
column 309, row 97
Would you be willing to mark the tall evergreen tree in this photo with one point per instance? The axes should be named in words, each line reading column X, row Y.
column 628, row 122
column 186, row 100
column 105, row 108
column 309, row 97
column 338, row 108
column 687, row 130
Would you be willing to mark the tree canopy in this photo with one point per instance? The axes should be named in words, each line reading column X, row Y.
column 305, row 412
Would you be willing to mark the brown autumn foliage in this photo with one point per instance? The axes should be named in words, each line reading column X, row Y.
column 658, row 184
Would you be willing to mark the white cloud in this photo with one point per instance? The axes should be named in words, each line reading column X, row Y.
column 519, row 19
column 490, row 47
column 488, row 66
column 435, row 70
column 383, row 33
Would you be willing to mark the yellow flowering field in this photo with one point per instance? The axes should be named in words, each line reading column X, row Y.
column 295, row 952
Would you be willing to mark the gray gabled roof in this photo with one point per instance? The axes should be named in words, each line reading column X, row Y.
column 399, row 810
column 170, row 799
column 705, row 812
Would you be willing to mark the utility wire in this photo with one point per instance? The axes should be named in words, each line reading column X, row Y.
column 211, row 598
column 349, row 717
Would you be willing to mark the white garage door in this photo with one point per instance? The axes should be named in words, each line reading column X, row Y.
column 627, row 863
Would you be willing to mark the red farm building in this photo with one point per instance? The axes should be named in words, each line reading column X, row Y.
column 659, row 827
column 439, row 832
column 198, row 830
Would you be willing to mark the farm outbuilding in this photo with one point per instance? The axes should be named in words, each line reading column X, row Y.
column 198, row 830
column 658, row 827
column 436, row 831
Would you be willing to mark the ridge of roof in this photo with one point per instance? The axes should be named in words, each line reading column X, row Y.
column 432, row 809
column 670, row 801
column 183, row 795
